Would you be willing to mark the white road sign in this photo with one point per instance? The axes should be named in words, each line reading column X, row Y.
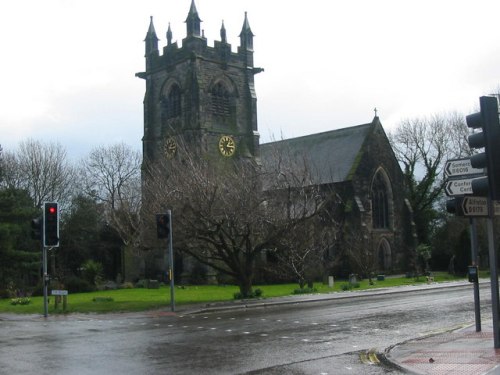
column 461, row 167
column 475, row 206
column 458, row 187
column 478, row 206
column 56, row 292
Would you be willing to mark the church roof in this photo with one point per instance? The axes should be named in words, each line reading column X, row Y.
column 331, row 156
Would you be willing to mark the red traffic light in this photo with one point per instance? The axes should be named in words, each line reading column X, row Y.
column 50, row 225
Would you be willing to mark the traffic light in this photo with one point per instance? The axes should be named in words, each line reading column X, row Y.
column 50, row 224
column 163, row 225
column 36, row 228
column 489, row 138
column 472, row 271
column 454, row 206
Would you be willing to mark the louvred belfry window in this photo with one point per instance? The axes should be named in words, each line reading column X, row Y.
column 171, row 105
column 220, row 100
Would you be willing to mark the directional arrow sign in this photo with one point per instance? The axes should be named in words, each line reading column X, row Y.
column 458, row 187
column 461, row 167
column 475, row 206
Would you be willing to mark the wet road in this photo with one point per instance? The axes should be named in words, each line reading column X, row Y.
column 328, row 337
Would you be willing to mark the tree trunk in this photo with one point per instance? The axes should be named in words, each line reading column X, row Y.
column 245, row 284
column 302, row 283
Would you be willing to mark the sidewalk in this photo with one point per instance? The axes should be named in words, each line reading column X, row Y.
column 462, row 351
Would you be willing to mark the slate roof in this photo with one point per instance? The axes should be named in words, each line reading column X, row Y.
column 331, row 155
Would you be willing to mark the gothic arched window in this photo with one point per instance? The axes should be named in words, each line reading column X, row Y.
column 221, row 103
column 171, row 104
column 380, row 203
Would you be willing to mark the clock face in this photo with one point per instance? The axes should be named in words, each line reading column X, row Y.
column 170, row 148
column 227, row 146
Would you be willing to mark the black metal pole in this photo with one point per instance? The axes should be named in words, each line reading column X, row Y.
column 171, row 263
column 474, row 259
column 493, row 274
column 45, row 282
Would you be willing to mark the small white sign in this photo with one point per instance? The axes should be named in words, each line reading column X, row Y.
column 458, row 187
column 56, row 292
column 478, row 206
column 475, row 206
column 461, row 167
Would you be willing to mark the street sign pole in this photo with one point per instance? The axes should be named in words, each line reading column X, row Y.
column 474, row 256
column 493, row 274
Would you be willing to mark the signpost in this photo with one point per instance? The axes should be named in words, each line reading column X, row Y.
column 478, row 206
column 460, row 174
column 487, row 185
column 458, row 187
column 475, row 206
column 461, row 167
column 58, row 293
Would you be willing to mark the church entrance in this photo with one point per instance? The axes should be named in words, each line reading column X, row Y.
column 384, row 255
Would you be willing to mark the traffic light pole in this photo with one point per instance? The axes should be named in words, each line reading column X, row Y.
column 171, row 263
column 473, row 243
column 493, row 275
column 45, row 282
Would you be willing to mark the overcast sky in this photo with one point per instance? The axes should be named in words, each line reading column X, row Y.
column 67, row 66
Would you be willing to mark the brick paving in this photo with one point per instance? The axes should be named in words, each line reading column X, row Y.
column 461, row 352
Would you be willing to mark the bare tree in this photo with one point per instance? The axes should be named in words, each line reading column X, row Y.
column 359, row 249
column 42, row 169
column 112, row 176
column 303, row 254
column 422, row 146
column 227, row 212
column 292, row 180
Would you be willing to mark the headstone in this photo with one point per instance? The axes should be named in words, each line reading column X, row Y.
column 330, row 282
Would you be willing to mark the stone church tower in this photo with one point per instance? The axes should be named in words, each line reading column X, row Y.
column 199, row 95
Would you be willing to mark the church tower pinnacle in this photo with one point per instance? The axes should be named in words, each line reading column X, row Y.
column 246, row 35
column 151, row 39
column 193, row 21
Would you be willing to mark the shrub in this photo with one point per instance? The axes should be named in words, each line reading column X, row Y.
column 92, row 272
column 77, row 285
column 346, row 287
column 305, row 290
column 127, row 285
column 141, row 284
column 20, row 301
column 254, row 294
column 4, row 293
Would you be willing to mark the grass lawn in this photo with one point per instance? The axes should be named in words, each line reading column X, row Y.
column 139, row 299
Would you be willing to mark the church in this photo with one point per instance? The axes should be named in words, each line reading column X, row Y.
column 206, row 95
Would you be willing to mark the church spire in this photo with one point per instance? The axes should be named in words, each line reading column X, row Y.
column 151, row 39
column 246, row 35
column 169, row 35
column 223, row 37
column 193, row 21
